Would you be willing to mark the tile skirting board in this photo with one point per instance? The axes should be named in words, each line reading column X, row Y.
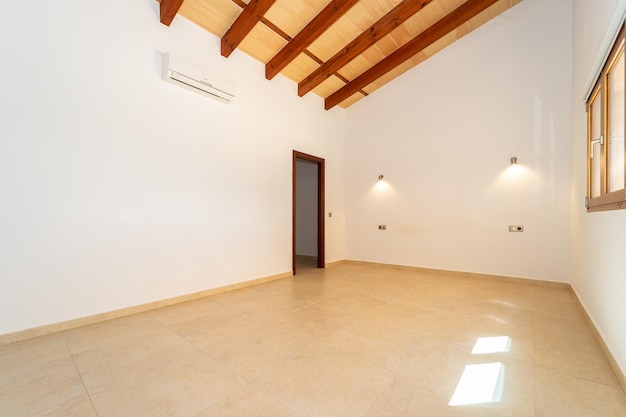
column 335, row 263
column 619, row 373
column 461, row 274
column 26, row 334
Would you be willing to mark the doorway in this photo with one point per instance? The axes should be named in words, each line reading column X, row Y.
column 308, row 209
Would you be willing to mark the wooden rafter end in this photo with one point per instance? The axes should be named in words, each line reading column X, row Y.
column 168, row 10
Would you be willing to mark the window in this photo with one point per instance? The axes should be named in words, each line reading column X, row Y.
column 606, row 119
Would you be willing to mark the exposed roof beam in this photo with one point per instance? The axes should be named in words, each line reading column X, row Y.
column 244, row 23
column 320, row 23
column 168, row 9
column 435, row 32
column 369, row 37
column 288, row 38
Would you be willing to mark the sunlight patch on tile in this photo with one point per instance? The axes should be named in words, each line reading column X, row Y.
column 496, row 344
column 479, row 384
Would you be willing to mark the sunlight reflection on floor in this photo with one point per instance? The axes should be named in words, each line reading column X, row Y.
column 496, row 344
column 481, row 383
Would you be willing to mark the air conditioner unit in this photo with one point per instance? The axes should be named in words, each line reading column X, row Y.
column 195, row 78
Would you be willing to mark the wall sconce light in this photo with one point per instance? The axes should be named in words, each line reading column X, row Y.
column 380, row 177
column 514, row 160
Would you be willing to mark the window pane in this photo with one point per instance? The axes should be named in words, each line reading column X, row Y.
column 616, row 126
column 595, row 173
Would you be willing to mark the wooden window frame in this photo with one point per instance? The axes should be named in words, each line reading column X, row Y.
column 615, row 200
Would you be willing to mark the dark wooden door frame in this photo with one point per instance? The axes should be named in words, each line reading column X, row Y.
column 321, row 256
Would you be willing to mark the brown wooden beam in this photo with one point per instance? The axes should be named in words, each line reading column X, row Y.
column 320, row 23
column 373, row 34
column 429, row 36
column 308, row 53
column 168, row 9
column 288, row 38
column 244, row 23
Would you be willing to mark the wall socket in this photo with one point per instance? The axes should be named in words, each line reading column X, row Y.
column 382, row 227
column 516, row 228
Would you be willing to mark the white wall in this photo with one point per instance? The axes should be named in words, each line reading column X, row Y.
column 599, row 239
column 119, row 189
column 443, row 135
column 306, row 208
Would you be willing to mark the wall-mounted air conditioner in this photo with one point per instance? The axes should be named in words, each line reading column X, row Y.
column 195, row 78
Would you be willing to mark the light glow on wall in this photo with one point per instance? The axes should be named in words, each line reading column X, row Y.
column 381, row 187
column 514, row 172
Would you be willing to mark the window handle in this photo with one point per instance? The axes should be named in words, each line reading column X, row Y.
column 593, row 142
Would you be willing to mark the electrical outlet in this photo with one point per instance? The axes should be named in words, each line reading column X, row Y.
column 516, row 228
column 382, row 227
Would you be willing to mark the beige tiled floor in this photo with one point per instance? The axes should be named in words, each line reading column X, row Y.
column 347, row 341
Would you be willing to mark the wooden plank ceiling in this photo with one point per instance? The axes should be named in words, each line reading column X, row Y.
column 341, row 50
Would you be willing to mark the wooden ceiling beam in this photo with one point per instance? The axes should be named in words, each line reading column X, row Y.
column 429, row 36
column 320, row 23
column 398, row 15
column 244, row 23
column 168, row 10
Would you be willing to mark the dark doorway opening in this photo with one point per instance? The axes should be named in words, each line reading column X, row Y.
column 308, row 208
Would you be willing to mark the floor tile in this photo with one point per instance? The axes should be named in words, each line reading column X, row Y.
column 581, row 361
column 179, row 387
column 324, row 382
column 112, row 334
column 31, row 390
column 191, row 310
column 31, row 354
column 351, row 340
column 249, row 402
column 407, row 397
column 76, row 407
column 383, row 345
column 248, row 346
column 102, row 367
column 558, row 394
